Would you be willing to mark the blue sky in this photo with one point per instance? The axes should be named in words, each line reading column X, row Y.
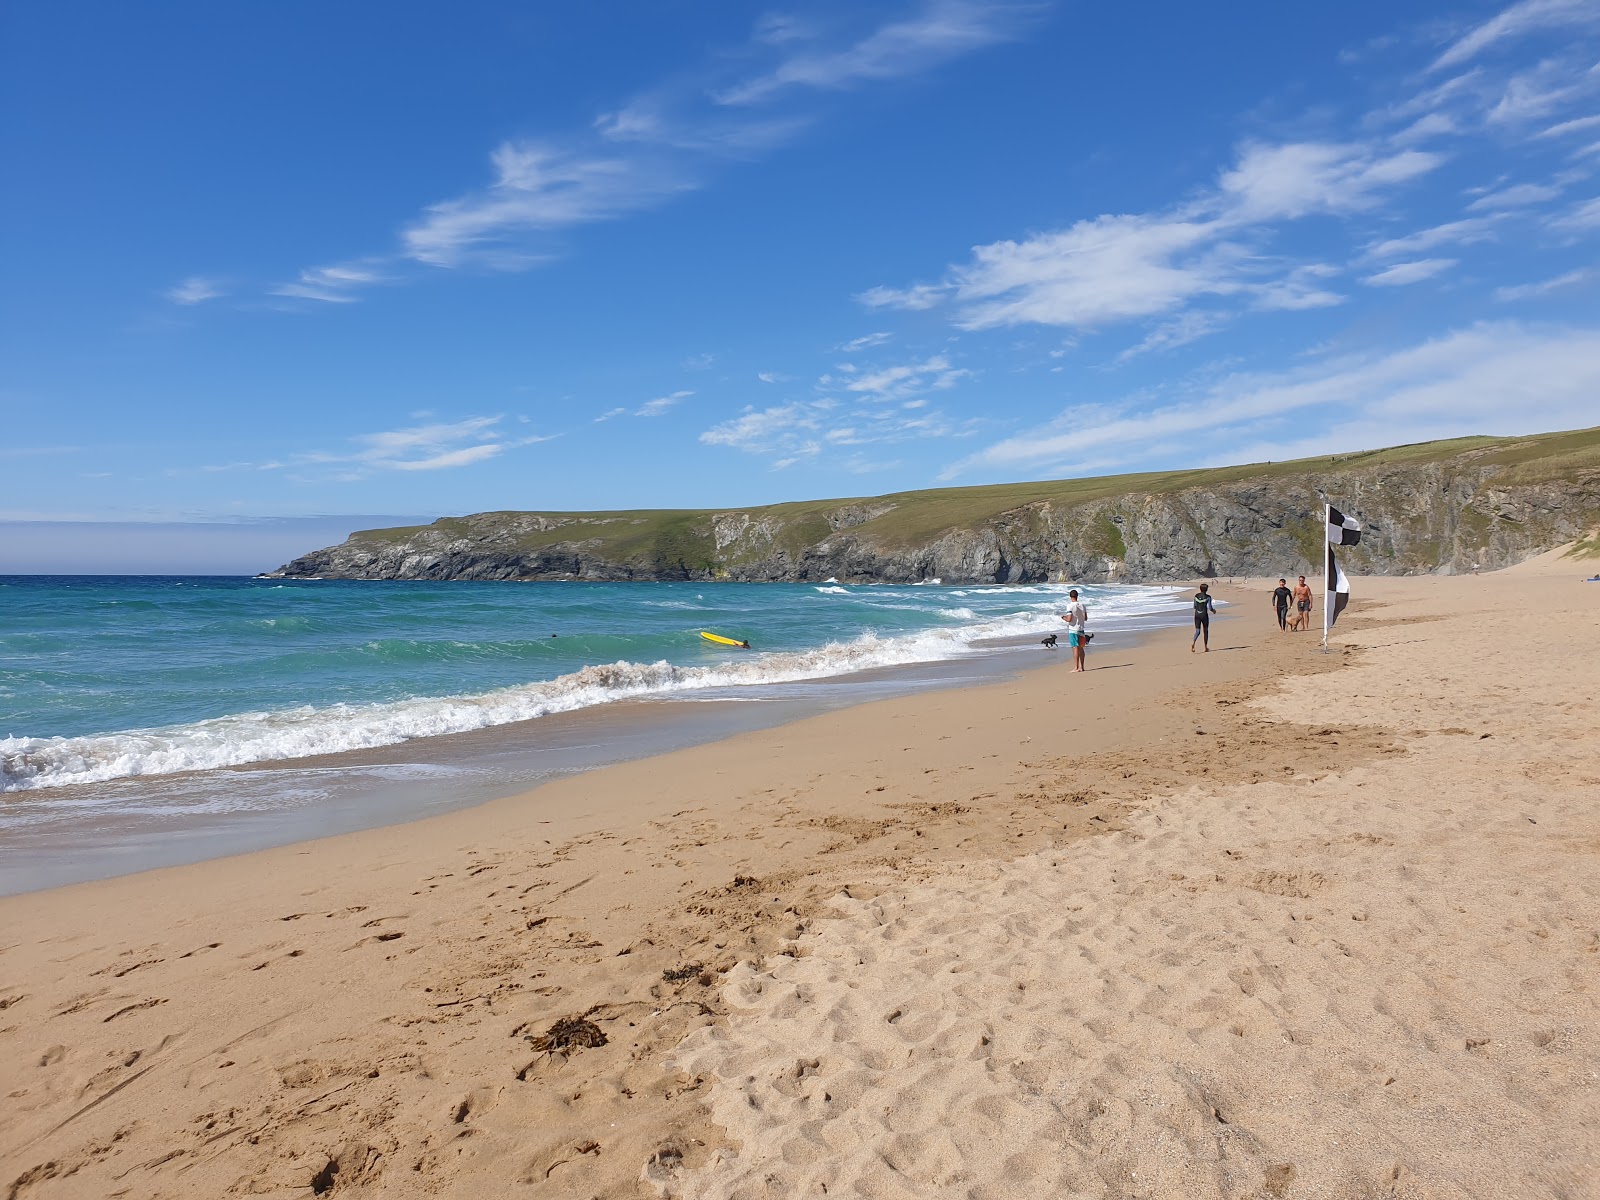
column 298, row 267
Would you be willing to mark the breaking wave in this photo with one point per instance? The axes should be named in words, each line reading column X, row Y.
column 29, row 763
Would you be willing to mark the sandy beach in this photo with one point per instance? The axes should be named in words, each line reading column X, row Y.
column 1258, row 923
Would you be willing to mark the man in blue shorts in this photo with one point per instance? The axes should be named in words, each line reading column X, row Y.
column 1076, row 617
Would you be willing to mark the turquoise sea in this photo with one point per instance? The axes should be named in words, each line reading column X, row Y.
column 132, row 699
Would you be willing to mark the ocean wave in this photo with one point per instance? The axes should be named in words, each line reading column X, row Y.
column 834, row 591
column 29, row 763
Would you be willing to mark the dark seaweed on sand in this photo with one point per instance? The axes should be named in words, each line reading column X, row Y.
column 569, row 1034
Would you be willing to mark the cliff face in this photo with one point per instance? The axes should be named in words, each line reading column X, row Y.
column 1493, row 504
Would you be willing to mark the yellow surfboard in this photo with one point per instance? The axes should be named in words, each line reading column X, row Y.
column 723, row 641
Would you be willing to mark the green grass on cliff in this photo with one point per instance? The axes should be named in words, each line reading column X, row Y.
column 670, row 537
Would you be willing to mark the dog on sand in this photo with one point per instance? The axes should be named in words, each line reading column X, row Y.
column 1049, row 643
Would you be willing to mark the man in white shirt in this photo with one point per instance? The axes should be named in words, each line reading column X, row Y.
column 1076, row 617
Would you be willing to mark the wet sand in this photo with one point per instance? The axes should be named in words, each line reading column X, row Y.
column 73, row 834
column 1263, row 922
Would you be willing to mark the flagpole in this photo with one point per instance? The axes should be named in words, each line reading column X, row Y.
column 1327, row 570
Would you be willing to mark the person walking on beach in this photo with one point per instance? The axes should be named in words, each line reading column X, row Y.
column 1280, row 603
column 1302, row 605
column 1076, row 617
column 1203, row 608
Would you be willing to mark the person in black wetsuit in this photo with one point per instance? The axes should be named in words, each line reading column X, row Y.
column 1280, row 601
column 1203, row 608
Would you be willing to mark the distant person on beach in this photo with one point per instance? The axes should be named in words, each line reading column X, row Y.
column 1203, row 608
column 1302, row 605
column 1280, row 601
column 1076, row 617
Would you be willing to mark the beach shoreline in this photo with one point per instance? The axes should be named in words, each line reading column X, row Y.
column 57, row 836
column 373, row 1009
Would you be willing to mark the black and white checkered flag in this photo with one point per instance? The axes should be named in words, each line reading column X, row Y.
column 1342, row 530
column 1338, row 593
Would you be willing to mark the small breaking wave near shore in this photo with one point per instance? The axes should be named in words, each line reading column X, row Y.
column 288, row 732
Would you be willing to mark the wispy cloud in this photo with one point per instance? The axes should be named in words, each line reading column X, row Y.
column 865, row 342
column 1409, row 272
column 1116, row 268
column 433, row 447
column 1451, row 233
column 331, row 285
column 536, row 188
column 938, row 31
column 1493, row 378
column 1576, row 125
column 854, row 406
column 782, row 426
column 1582, row 216
column 899, row 382
column 1519, row 20
column 1532, row 291
column 1518, row 195
column 668, row 141
column 661, row 404
column 196, row 289
column 1187, row 327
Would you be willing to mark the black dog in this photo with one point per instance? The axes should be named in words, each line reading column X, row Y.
column 1049, row 643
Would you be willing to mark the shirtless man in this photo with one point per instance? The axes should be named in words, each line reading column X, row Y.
column 1302, row 605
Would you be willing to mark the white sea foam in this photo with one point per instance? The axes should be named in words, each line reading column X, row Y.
column 834, row 591
column 31, row 763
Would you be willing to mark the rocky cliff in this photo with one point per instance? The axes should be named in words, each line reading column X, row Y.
column 1440, row 507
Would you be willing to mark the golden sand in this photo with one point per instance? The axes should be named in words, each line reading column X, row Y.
column 1259, row 923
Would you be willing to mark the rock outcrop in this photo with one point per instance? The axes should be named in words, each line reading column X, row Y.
column 1493, row 503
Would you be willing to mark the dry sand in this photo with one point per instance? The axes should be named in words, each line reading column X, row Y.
column 1337, row 938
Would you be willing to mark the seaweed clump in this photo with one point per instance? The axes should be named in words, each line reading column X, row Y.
column 569, row 1034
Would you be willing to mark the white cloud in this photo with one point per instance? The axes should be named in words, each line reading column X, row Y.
column 432, row 447
column 1576, row 125
column 654, row 408
column 1120, row 267
column 665, row 141
column 1106, row 269
column 1529, row 16
column 762, row 430
column 536, row 188
column 1300, row 178
column 610, row 414
column 1491, row 378
column 332, row 285
column 903, row 381
column 195, row 290
column 1464, row 232
column 1434, row 124
column 1537, row 92
column 865, row 342
column 698, row 362
column 1531, row 291
column 1409, row 272
column 941, row 30
column 1519, row 195
column 1185, row 328
column 1582, row 216
column 917, row 297
column 449, row 458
